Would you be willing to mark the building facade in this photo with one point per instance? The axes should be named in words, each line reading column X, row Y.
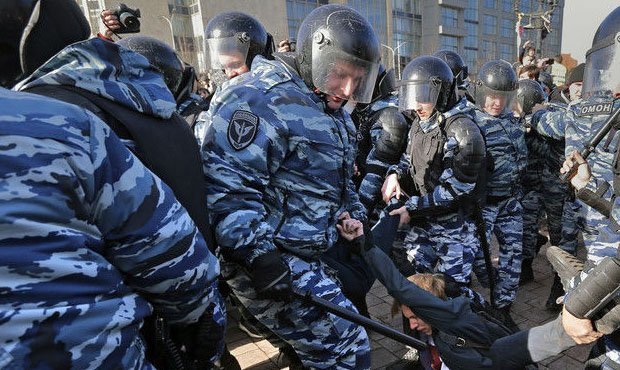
column 479, row 30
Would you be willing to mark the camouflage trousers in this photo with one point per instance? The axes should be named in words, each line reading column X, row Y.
column 503, row 219
column 447, row 244
column 322, row 340
column 370, row 191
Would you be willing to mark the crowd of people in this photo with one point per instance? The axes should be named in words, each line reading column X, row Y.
column 139, row 205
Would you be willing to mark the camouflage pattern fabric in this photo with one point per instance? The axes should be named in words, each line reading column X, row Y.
column 445, row 243
column 279, row 174
column 503, row 213
column 370, row 187
column 125, row 77
column 85, row 229
column 577, row 125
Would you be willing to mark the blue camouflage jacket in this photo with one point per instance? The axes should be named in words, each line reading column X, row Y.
column 506, row 149
column 86, row 233
column 278, row 166
column 370, row 186
column 111, row 71
column 577, row 125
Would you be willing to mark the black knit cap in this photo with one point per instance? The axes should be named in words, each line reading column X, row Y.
column 575, row 74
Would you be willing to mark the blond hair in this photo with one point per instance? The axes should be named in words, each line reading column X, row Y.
column 432, row 283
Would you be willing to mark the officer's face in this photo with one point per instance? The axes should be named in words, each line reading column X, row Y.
column 574, row 90
column 415, row 323
column 234, row 64
column 424, row 110
column 494, row 104
column 342, row 81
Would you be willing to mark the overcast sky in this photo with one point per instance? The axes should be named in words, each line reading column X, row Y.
column 581, row 19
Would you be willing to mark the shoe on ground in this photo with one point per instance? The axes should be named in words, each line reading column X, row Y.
column 556, row 292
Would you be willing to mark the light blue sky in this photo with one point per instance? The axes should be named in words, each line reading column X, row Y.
column 581, row 19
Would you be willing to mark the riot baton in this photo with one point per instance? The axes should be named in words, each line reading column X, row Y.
column 590, row 145
column 361, row 320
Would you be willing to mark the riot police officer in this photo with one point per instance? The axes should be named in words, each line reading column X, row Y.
column 279, row 155
column 529, row 94
column 600, row 92
column 496, row 88
column 232, row 41
column 381, row 138
column 459, row 70
column 445, row 160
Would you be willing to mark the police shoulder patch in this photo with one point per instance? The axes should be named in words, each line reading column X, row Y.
column 242, row 129
column 595, row 109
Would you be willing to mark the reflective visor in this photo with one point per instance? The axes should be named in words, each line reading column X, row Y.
column 340, row 74
column 602, row 72
column 494, row 102
column 413, row 93
column 228, row 52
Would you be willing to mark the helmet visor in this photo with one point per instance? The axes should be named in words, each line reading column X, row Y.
column 494, row 102
column 337, row 73
column 228, row 52
column 413, row 94
column 601, row 72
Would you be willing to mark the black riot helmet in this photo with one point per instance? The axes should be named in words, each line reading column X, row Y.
column 32, row 31
column 602, row 60
column 456, row 64
column 497, row 83
column 385, row 83
column 338, row 53
column 529, row 94
column 236, row 33
column 427, row 79
column 161, row 57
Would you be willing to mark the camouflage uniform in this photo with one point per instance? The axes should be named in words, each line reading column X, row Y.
column 447, row 239
column 279, row 170
column 503, row 212
column 126, row 78
column 533, row 203
column 577, row 125
column 373, row 169
column 84, row 228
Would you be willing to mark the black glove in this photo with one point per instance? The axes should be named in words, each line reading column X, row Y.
column 362, row 243
column 272, row 277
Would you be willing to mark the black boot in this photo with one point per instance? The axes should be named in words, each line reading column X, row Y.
column 556, row 292
column 540, row 241
column 227, row 361
column 504, row 315
column 527, row 274
column 289, row 358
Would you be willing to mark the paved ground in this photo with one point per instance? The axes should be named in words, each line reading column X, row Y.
column 527, row 311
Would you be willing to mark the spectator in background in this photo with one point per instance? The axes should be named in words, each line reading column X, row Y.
column 530, row 56
column 529, row 72
column 558, row 71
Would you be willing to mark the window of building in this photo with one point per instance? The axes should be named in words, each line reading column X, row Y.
column 507, row 52
column 507, row 5
column 508, row 27
column 449, row 43
column 490, row 4
column 470, row 57
column 489, row 25
column 297, row 10
column 471, row 38
column 489, row 49
column 449, row 17
column 471, row 11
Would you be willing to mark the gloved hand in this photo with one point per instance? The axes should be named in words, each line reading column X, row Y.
column 271, row 277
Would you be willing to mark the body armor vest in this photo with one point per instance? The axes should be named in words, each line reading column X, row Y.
column 426, row 153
